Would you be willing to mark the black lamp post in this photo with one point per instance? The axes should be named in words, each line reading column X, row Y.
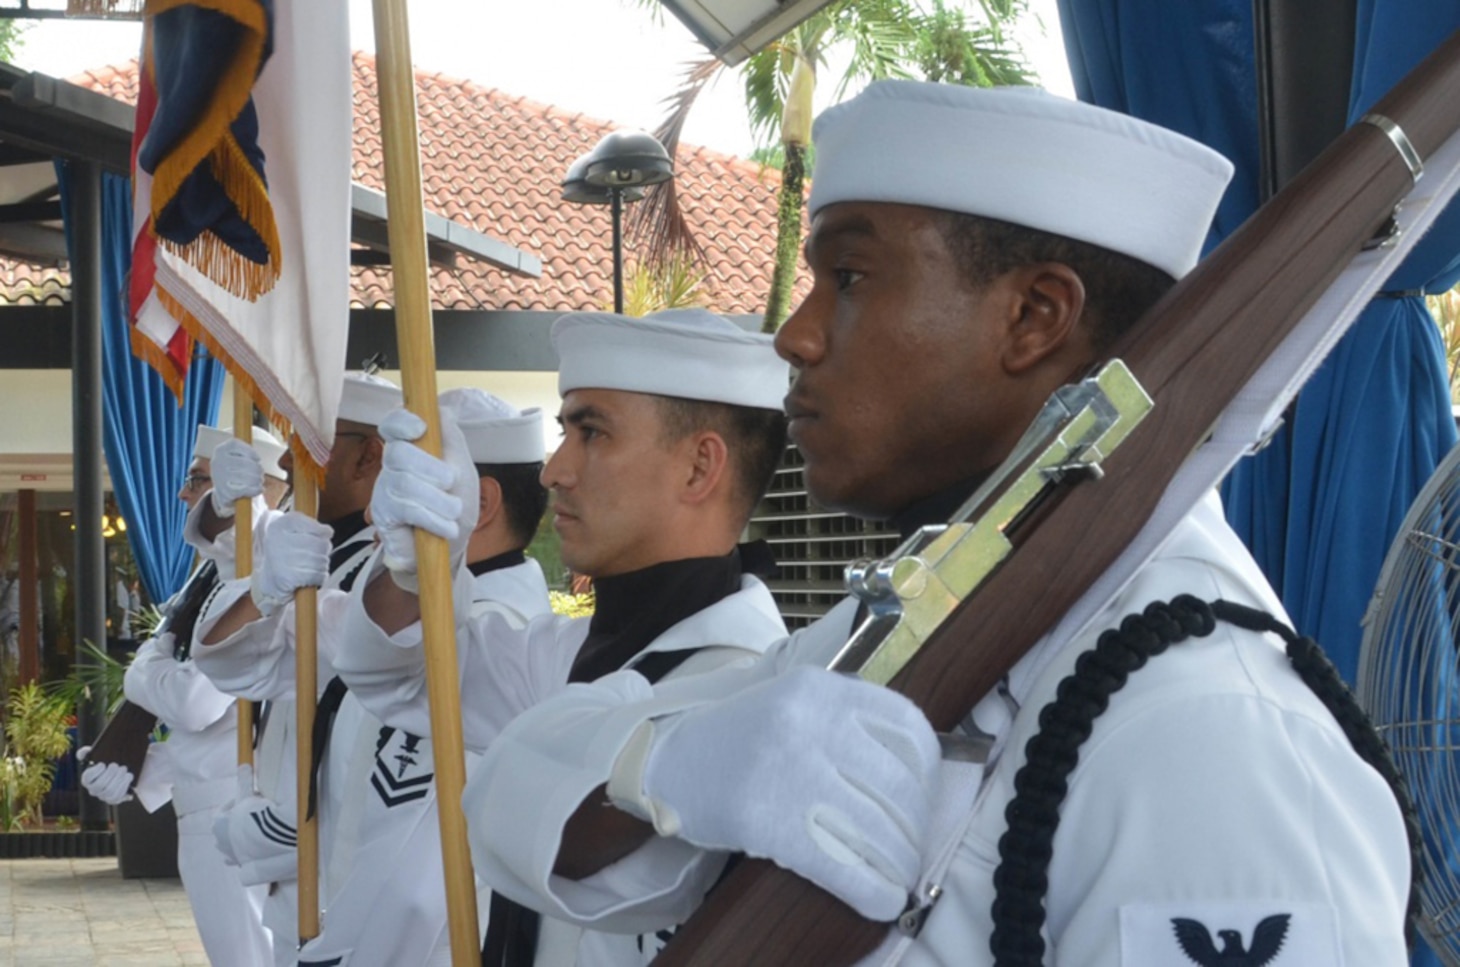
column 617, row 170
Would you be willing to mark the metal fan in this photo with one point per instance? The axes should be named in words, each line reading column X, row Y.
column 1409, row 683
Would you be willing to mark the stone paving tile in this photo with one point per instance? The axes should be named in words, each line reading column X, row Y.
column 81, row 913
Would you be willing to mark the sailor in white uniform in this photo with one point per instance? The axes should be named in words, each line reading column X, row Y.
column 391, row 909
column 671, row 430
column 245, row 643
column 196, row 766
column 1216, row 796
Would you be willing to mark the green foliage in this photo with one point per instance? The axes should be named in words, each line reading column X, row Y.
column 675, row 283
column 948, row 48
column 96, row 678
column 12, row 38
column 545, row 549
column 774, row 156
column 35, row 735
column 146, row 621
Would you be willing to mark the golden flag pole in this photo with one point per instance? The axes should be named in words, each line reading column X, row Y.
column 406, row 224
column 306, row 691
column 243, row 553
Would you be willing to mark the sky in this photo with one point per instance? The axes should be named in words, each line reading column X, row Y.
column 605, row 58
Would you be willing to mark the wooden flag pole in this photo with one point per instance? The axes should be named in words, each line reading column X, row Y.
column 306, row 690
column 407, row 230
column 243, row 553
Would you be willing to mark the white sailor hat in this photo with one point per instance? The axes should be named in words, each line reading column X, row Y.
column 270, row 449
column 495, row 430
column 265, row 444
column 687, row 353
column 1024, row 156
column 367, row 398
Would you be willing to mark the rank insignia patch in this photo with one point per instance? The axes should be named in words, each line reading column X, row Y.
column 403, row 767
column 1258, row 933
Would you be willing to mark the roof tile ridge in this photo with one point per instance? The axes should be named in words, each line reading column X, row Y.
column 745, row 166
column 102, row 74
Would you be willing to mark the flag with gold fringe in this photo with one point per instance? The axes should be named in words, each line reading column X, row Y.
column 199, row 188
column 209, row 200
column 285, row 343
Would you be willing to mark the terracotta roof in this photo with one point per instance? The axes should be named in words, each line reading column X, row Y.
column 494, row 161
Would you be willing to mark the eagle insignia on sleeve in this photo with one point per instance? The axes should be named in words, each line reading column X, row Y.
column 1267, row 941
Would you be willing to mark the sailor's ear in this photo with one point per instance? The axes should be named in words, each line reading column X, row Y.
column 1048, row 300
column 708, row 465
column 489, row 504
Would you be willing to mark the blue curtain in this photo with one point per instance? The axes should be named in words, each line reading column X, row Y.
column 1321, row 504
column 147, row 437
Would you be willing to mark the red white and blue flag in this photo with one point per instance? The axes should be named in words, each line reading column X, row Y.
column 243, row 138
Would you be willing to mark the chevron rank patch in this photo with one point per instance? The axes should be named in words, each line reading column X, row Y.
column 403, row 767
column 1255, row 933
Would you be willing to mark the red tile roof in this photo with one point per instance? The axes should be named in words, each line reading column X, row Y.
column 494, row 161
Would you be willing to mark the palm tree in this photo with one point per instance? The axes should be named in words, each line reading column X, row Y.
column 875, row 39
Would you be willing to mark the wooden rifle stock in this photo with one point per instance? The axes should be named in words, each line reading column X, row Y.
column 1192, row 352
column 125, row 738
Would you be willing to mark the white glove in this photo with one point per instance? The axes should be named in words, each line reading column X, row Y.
column 259, row 838
column 110, row 782
column 237, row 473
column 827, row 775
column 417, row 490
column 295, row 554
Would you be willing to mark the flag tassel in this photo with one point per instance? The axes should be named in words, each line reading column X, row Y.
column 214, row 257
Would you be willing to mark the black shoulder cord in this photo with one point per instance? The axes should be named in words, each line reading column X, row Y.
column 1025, row 849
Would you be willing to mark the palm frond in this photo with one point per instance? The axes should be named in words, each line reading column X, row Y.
column 657, row 223
column 952, row 50
column 766, row 76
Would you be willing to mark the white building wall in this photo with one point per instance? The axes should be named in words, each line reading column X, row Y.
column 35, row 418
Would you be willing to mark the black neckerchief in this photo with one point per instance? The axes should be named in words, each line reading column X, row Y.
column 346, row 527
column 497, row 563
column 182, row 617
column 934, row 509
column 631, row 610
column 757, row 557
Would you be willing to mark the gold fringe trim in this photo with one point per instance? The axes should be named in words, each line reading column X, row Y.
column 303, row 461
column 208, row 141
column 130, row 9
column 156, row 357
column 213, row 257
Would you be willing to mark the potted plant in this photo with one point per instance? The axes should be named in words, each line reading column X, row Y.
column 36, row 735
column 146, row 843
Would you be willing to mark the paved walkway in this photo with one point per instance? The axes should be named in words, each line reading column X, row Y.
column 81, row 912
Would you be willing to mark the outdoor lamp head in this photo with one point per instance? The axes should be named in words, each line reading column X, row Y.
column 628, row 158
column 576, row 188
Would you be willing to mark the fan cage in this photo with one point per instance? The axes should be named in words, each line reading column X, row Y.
column 1409, row 683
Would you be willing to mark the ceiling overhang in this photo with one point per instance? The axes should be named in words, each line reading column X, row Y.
column 736, row 29
column 43, row 117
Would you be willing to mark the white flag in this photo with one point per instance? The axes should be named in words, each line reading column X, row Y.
column 288, row 347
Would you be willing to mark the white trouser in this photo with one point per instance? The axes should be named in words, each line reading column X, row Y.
column 228, row 914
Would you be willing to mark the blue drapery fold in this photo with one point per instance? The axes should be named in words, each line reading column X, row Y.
column 1321, row 504
column 147, row 437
